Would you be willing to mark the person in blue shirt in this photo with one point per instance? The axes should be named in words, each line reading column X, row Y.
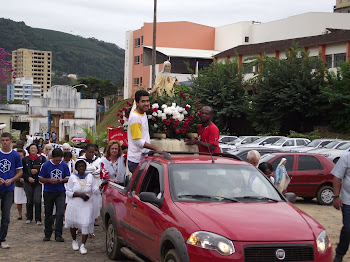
column 53, row 175
column 10, row 171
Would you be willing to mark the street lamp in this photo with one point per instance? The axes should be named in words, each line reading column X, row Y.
column 80, row 85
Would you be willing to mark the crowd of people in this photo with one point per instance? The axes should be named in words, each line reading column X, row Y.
column 70, row 186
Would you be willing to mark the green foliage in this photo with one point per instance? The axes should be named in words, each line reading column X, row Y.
column 71, row 54
column 100, row 140
column 337, row 93
column 288, row 92
column 96, row 88
column 221, row 86
column 311, row 136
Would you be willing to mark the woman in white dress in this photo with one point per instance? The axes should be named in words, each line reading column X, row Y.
column 80, row 189
column 93, row 168
column 113, row 164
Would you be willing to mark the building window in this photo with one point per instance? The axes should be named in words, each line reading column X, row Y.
column 247, row 69
column 140, row 81
column 246, row 39
column 142, row 40
column 136, row 81
column 339, row 58
column 137, row 60
column 141, row 61
column 137, row 42
column 329, row 61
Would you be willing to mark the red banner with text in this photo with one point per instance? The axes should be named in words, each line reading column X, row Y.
column 116, row 133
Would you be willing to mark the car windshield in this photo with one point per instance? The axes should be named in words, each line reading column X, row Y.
column 344, row 147
column 259, row 140
column 279, row 142
column 331, row 144
column 219, row 182
column 313, row 143
column 80, row 136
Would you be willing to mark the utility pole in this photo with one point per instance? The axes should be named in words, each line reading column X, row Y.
column 154, row 45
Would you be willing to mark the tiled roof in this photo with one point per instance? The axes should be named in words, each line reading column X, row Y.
column 334, row 36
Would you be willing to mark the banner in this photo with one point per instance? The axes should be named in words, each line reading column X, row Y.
column 116, row 133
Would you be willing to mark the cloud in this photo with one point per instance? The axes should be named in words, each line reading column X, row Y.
column 108, row 20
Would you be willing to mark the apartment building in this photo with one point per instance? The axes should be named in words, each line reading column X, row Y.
column 33, row 64
column 342, row 6
column 24, row 89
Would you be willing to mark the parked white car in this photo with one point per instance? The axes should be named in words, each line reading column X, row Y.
column 335, row 154
column 332, row 145
column 262, row 141
column 286, row 144
column 316, row 143
column 227, row 139
column 239, row 141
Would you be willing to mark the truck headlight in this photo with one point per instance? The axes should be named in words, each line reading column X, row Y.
column 323, row 242
column 212, row 241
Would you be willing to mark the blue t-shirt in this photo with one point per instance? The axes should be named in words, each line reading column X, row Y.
column 9, row 162
column 50, row 170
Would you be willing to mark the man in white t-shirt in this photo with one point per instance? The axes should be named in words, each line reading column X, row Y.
column 138, row 133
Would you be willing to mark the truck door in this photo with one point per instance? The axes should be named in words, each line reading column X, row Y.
column 147, row 219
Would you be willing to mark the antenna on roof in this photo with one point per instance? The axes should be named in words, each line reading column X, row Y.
column 211, row 154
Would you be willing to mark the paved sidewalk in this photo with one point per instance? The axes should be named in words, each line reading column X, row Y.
column 26, row 241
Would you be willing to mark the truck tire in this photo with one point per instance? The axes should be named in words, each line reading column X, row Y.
column 112, row 245
column 171, row 256
column 324, row 195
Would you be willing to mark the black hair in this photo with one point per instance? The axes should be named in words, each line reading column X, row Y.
column 33, row 144
column 89, row 145
column 79, row 161
column 139, row 94
column 210, row 109
column 57, row 152
column 67, row 154
column 264, row 166
column 124, row 147
column 6, row 134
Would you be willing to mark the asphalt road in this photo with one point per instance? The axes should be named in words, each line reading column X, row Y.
column 27, row 245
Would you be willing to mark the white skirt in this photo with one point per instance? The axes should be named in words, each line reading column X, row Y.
column 20, row 196
column 79, row 215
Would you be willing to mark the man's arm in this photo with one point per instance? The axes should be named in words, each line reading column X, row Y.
column 19, row 173
column 152, row 147
column 337, row 203
column 206, row 145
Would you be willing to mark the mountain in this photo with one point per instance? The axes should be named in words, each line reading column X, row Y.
column 71, row 54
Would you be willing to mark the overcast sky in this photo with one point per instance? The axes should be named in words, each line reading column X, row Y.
column 108, row 20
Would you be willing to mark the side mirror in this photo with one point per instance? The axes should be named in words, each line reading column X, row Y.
column 263, row 143
column 290, row 196
column 150, row 197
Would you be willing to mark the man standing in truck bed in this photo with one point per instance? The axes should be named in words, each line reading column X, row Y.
column 138, row 133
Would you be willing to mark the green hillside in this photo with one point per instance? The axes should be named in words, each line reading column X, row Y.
column 110, row 117
column 71, row 54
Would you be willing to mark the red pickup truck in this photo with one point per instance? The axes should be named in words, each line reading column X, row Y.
column 202, row 208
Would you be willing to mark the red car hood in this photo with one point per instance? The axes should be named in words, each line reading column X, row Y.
column 250, row 221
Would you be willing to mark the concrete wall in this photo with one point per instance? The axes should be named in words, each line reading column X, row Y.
column 72, row 126
column 6, row 118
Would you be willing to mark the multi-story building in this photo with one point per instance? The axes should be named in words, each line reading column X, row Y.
column 34, row 64
column 23, row 88
column 197, row 44
column 342, row 6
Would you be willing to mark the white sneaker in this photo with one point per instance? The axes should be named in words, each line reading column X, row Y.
column 75, row 245
column 4, row 245
column 82, row 249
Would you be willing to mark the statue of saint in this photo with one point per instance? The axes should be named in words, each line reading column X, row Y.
column 165, row 82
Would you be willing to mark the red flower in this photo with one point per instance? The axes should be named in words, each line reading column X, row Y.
column 186, row 125
column 167, row 122
column 189, row 96
column 177, row 131
column 183, row 130
column 128, row 103
column 187, row 108
column 175, row 126
column 171, row 119
column 118, row 114
column 187, row 120
column 198, row 102
column 119, row 110
column 121, row 116
column 181, row 94
column 166, row 132
column 155, row 110
column 191, row 117
column 153, row 118
column 199, row 113
column 164, row 121
column 121, row 121
column 125, row 109
column 177, row 121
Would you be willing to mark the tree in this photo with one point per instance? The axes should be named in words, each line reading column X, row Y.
column 6, row 72
column 96, row 88
column 288, row 92
column 221, row 86
column 337, row 92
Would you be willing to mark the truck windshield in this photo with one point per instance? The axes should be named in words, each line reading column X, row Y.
column 219, row 182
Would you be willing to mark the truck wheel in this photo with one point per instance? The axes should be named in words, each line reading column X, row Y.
column 325, row 195
column 112, row 245
column 171, row 256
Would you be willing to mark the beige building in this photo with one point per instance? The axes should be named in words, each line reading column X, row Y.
column 33, row 64
column 342, row 6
